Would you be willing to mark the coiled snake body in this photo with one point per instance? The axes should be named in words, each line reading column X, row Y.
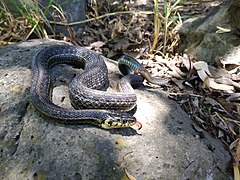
column 85, row 90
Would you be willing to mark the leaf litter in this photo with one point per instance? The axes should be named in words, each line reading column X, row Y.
column 209, row 94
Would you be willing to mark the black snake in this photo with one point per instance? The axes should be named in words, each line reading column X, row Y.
column 86, row 90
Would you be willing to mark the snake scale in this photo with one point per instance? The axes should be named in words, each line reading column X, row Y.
column 105, row 109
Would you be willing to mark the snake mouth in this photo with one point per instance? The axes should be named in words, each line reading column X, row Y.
column 139, row 124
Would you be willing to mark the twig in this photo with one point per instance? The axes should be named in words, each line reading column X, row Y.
column 156, row 26
column 100, row 17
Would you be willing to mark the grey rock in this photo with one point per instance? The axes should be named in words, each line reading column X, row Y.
column 33, row 146
column 199, row 37
column 74, row 11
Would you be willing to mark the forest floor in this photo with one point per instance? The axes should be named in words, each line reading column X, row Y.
column 127, row 27
column 214, row 106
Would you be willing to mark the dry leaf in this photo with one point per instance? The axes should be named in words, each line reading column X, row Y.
column 235, row 70
column 222, row 30
column 202, row 70
column 179, row 83
column 227, row 81
column 236, row 171
column 235, row 150
column 236, row 77
column 234, row 97
column 223, row 80
column 119, row 26
column 130, row 177
column 211, row 84
column 197, row 128
column 175, row 71
column 213, row 102
column 160, row 59
column 187, row 62
column 121, row 44
column 220, row 134
column 218, row 72
column 124, row 156
column 97, row 44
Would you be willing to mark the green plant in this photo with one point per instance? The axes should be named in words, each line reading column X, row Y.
column 25, row 18
column 169, row 20
column 35, row 16
column 11, row 28
column 156, row 25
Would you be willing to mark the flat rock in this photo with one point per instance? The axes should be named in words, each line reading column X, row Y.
column 34, row 146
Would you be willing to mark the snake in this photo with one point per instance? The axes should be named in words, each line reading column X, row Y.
column 87, row 91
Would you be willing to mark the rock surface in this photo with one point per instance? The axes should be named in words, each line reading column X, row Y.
column 201, row 38
column 33, row 146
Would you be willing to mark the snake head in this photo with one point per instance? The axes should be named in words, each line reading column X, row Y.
column 117, row 121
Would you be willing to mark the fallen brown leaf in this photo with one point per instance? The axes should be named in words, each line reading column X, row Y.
column 211, row 84
column 235, row 150
column 97, row 44
column 202, row 70
column 130, row 177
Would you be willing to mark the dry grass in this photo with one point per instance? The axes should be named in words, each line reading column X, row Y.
column 29, row 20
